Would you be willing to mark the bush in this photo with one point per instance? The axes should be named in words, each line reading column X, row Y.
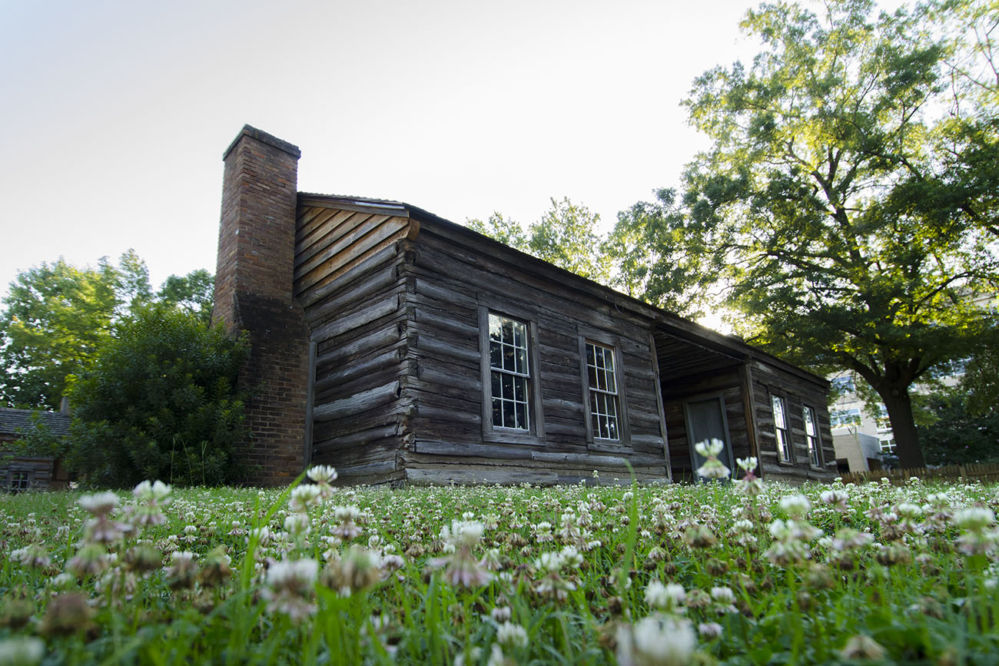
column 159, row 402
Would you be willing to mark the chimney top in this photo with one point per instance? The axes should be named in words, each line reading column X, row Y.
column 263, row 137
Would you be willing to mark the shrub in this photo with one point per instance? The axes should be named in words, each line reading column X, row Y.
column 159, row 402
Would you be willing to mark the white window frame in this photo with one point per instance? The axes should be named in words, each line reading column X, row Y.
column 782, row 429
column 812, row 436
column 533, row 432
column 602, row 424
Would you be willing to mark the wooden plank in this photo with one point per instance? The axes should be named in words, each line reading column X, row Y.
column 349, row 322
column 372, row 284
column 357, row 273
column 357, row 403
column 347, row 372
column 360, row 248
column 356, row 348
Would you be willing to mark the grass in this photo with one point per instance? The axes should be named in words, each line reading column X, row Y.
column 584, row 574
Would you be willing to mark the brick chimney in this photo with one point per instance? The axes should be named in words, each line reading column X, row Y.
column 253, row 293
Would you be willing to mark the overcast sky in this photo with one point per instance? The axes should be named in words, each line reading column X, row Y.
column 115, row 114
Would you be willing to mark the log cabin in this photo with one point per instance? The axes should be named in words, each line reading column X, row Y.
column 400, row 347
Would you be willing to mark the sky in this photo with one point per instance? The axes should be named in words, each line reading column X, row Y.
column 115, row 114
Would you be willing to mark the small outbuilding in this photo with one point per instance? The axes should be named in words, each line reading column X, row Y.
column 400, row 347
column 20, row 471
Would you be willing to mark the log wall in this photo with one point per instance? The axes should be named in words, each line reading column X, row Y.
column 448, row 283
column 348, row 278
column 768, row 380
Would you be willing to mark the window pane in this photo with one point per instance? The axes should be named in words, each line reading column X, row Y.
column 521, row 415
column 509, row 417
column 809, row 421
column 778, row 405
column 497, row 412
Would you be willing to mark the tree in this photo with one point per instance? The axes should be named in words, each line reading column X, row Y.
column 55, row 320
column 194, row 293
column 57, row 316
column 159, row 402
column 657, row 260
column 811, row 203
column 564, row 236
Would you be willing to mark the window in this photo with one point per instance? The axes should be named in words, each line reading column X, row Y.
column 509, row 373
column 780, row 429
column 843, row 384
column 19, row 480
column 843, row 418
column 812, row 436
column 602, row 382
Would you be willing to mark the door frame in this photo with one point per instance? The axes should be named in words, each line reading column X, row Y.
column 727, row 457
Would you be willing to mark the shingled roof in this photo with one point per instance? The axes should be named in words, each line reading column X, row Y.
column 18, row 421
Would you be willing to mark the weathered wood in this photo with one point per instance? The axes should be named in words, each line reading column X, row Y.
column 360, row 347
column 357, row 403
column 502, row 451
column 444, row 414
column 384, row 256
column 375, row 283
column 348, row 372
column 349, row 322
column 427, row 344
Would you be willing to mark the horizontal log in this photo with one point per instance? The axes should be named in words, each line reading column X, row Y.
column 427, row 343
column 445, row 414
column 369, row 469
column 562, row 404
column 440, row 448
column 356, row 403
column 584, row 459
column 451, row 380
column 364, row 436
column 375, row 340
column 350, row 371
column 341, row 325
column 358, row 293
column 424, row 318
column 437, row 290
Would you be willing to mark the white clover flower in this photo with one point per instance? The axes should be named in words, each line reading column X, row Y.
column 501, row 613
column 290, row 588
column 723, row 595
column 709, row 629
column 665, row 597
column 550, row 562
column 974, row 518
column 22, row 651
column 297, row 524
column 99, row 504
column 834, row 497
column 747, row 464
column 709, row 449
column 657, row 639
column 571, row 557
column 157, row 492
column 511, row 635
column 304, row 497
column 322, row 474
column 797, row 506
column 466, row 533
column 474, row 655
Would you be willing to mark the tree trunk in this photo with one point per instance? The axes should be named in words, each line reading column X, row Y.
column 903, row 427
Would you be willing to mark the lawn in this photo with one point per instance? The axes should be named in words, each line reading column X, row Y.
column 734, row 573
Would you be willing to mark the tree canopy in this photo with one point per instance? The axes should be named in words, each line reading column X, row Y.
column 842, row 204
column 57, row 317
column 565, row 236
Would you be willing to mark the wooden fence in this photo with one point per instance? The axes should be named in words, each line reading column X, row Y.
column 984, row 472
